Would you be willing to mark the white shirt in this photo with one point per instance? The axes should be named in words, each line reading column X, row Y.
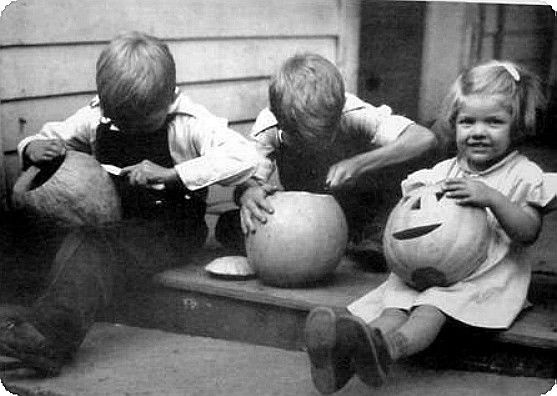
column 378, row 124
column 204, row 150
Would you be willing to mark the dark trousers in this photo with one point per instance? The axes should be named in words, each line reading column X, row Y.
column 93, row 263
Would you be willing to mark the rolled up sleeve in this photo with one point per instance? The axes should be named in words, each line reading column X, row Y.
column 377, row 123
column 220, row 155
column 77, row 131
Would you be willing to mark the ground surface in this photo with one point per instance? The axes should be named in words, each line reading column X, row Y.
column 120, row 360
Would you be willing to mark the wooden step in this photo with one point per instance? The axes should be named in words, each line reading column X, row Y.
column 188, row 300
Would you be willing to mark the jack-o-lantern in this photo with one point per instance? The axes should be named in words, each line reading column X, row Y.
column 302, row 242
column 429, row 240
column 74, row 191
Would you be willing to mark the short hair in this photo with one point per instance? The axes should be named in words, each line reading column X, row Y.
column 136, row 75
column 307, row 97
column 520, row 88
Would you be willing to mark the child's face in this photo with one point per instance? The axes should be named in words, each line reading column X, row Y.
column 483, row 131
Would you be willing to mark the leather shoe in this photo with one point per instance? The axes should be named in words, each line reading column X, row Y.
column 19, row 339
column 370, row 352
column 331, row 364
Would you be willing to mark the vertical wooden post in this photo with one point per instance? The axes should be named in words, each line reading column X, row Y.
column 348, row 44
column 552, row 75
column 550, row 119
column 3, row 184
column 444, row 42
column 474, row 26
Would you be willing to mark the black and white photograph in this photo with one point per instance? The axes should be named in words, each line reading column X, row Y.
column 280, row 197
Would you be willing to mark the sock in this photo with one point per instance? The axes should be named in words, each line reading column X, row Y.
column 397, row 345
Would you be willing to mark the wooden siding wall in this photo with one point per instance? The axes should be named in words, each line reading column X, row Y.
column 225, row 51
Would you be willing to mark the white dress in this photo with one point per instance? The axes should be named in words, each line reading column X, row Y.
column 495, row 293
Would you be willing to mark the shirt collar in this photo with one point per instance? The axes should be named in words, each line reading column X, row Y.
column 463, row 166
column 173, row 107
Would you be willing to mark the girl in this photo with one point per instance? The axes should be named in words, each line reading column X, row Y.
column 491, row 108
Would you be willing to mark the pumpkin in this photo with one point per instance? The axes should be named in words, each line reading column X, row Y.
column 74, row 191
column 430, row 240
column 302, row 242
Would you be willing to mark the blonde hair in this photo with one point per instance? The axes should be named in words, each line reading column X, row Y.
column 307, row 97
column 521, row 90
column 136, row 76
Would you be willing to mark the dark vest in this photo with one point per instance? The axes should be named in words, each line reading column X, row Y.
column 306, row 170
column 303, row 170
column 116, row 147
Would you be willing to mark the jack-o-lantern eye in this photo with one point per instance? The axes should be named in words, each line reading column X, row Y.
column 416, row 205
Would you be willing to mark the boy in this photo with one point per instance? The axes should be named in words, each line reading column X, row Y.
column 142, row 123
column 322, row 140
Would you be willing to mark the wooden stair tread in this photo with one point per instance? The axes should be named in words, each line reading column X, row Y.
column 536, row 327
column 348, row 284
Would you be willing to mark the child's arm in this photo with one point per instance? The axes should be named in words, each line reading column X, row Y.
column 252, row 195
column 148, row 174
column 74, row 133
column 413, row 142
column 44, row 150
column 219, row 155
column 254, row 204
column 264, row 134
column 209, row 153
column 522, row 223
column 393, row 139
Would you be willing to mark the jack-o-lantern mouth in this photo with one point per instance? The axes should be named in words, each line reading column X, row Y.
column 415, row 232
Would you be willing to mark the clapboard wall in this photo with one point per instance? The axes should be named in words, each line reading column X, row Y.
column 225, row 51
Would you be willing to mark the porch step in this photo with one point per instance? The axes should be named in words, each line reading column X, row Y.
column 188, row 300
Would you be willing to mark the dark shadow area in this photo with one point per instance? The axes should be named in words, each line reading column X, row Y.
column 461, row 348
column 27, row 249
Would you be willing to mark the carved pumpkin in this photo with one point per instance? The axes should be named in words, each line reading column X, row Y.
column 301, row 242
column 75, row 192
column 429, row 240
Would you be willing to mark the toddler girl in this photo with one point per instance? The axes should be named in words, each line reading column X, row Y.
column 491, row 108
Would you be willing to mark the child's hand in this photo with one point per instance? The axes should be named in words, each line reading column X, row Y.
column 149, row 174
column 45, row 150
column 343, row 174
column 255, row 206
column 468, row 191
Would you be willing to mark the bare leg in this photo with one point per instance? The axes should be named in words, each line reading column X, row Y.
column 377, row 347
column 420, row 330
column 389, row 320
